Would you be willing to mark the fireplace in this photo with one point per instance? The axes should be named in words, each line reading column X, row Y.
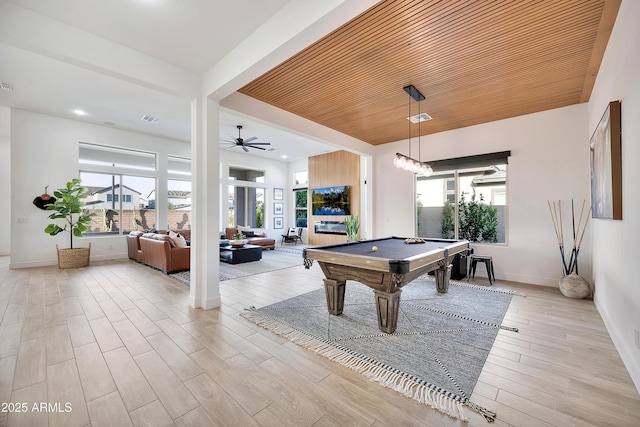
column 330, row 227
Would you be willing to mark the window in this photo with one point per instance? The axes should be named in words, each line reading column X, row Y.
column 301, row 208
column 179, row 166
column 246, row 206
column 121, row 203
column 179, row 215
column 101, row 155
column 465, row 198
column 300, row 194
column 300, row 178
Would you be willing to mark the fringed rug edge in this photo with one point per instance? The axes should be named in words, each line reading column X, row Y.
column 444, row 402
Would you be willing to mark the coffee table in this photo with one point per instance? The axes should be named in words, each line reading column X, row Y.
column 247, row 253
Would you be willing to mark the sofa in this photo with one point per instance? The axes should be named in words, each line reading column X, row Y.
column 159, row 250
column 252, row 238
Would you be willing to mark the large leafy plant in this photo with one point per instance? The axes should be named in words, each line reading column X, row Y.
column 477, row 220
column 352, row 225
column 69, row 203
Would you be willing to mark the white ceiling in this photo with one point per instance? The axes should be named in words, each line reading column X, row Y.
column 191, row 34
column 186, row 37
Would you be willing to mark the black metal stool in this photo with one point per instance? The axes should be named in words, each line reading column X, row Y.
column 488, row 262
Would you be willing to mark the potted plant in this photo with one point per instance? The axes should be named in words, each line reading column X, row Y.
column 238, row 240
column 352, row 225
column 68, row 207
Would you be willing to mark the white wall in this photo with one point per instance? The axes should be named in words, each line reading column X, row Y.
column 549, row 161
column 5, row 179
column 615, row 254
column 44, row 151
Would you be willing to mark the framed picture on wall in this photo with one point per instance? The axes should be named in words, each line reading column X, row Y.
column 277, row 194
column 278, row 208
column 277, row 222
column 606, row 165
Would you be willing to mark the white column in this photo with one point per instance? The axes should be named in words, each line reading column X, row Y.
column 205, row 188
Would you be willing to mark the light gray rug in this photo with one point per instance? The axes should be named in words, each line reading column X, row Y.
column 436, row 354
column 277, row 259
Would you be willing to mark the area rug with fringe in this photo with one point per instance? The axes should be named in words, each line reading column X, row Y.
column 276, row 259
column 435, row 355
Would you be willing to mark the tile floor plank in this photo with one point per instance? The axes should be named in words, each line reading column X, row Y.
column 105, row 335
column 173, row 394
column 131, row 337
column 58, row 342
column 109, row 411
column 79, row 330
column 64, row 387
column 94, row 373
column 31, row 367
column 132, row 384
column 222, row 409
column 30, row 396
column 178, row 361
column 151, row 415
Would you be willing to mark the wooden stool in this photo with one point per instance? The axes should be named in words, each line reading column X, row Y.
column 488, row 262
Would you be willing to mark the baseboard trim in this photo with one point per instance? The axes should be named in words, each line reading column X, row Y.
column 626, row 353
column 206, row 304
column 54, row 261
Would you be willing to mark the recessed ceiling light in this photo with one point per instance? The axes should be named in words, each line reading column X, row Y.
column 423, row 117
column 6, row 86
column 79, row 112
column 284, row 156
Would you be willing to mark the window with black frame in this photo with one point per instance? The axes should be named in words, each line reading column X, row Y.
column 465, row 198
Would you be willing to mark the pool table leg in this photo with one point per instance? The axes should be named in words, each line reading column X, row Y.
column 387, row 307
column 334, row 290
column 443, row 275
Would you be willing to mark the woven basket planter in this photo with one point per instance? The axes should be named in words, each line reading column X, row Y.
column 73, row 258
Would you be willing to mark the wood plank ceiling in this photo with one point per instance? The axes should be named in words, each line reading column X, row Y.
column 474, row 61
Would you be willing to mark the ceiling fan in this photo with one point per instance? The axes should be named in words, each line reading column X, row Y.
column 244, row 143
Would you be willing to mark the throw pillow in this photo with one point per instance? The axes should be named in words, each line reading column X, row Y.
column 179, row 241
column 293, row 232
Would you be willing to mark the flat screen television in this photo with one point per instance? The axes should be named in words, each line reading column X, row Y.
column 331, row 200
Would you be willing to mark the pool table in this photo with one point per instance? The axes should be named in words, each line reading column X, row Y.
column 386, row 269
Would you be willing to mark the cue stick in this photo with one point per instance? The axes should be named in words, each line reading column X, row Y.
column 564, row 263
column 558, row 212
column 553, row 219
column 576, row 250
column 581, row 237
column 573, row 226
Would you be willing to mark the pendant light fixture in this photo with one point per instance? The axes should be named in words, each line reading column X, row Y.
column 407, row 162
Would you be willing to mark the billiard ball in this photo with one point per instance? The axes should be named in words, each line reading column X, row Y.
column 375, row 248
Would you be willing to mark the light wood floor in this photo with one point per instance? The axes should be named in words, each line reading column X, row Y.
column 118, row 342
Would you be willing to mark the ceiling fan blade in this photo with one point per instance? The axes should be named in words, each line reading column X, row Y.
column 227, row 141
column 253, row 146
column 259, row 143
column 246, row 150
column 250, row 139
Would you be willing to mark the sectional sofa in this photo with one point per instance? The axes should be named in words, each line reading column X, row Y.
column 159, row 250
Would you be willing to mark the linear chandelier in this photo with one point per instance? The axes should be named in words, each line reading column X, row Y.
column 407, row 162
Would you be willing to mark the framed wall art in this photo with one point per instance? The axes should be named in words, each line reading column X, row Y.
column 278, row 223
column 278, row 208
column 606, row 165
column 277, row 194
